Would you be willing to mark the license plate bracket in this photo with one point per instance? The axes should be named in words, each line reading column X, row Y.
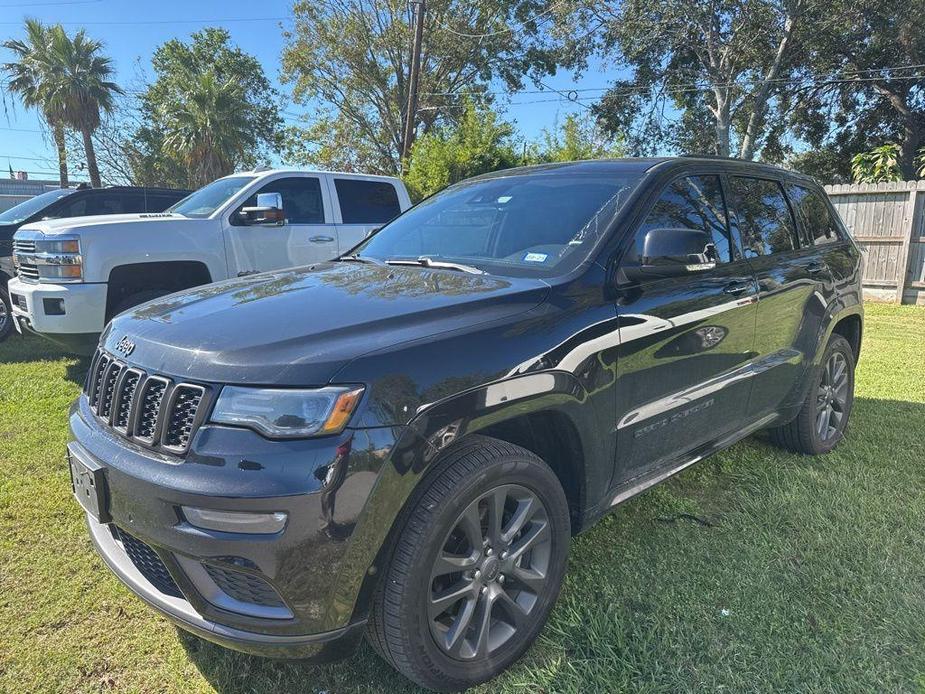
column 88, row 482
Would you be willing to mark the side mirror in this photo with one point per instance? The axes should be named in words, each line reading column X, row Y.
column 268, row 210
column 673, row 253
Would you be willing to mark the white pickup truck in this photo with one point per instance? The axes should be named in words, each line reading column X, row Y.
column 73, row 275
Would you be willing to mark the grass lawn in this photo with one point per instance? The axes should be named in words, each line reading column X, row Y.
column 809, row 574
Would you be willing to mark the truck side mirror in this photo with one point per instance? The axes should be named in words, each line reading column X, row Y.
column 267, row 211
column 673, row 253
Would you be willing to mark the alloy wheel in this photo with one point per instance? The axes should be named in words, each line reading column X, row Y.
column 490, row 572
column 832, row 397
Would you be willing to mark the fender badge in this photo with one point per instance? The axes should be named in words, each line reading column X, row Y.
column 125, row 346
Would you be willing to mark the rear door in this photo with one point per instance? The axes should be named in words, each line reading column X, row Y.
column 307, row 236
column 685, row 342
column 791, row 303
column 361, row 207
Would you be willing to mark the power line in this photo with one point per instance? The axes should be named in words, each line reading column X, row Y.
column 173, row 21
column 46, row 4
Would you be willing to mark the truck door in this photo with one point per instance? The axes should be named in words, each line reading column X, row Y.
column 308, row 234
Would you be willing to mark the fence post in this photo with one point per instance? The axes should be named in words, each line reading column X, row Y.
column 909, row 225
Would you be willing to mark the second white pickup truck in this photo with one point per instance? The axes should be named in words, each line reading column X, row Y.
column 73, row 275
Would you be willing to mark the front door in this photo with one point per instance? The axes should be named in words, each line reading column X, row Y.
column 307, row 236
column 686, row 343
column 791, row 305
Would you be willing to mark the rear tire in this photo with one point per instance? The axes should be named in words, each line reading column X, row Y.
column 491, row 525
column 6, row 316
column 823, row 418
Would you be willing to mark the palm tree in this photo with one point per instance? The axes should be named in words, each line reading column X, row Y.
column 30, row 76
column 81, row 90
column 208, row 128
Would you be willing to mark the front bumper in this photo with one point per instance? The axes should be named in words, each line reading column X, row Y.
column 322, row 485
column 80, row 324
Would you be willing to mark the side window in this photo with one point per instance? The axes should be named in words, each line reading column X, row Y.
column 765, row 221
column 366, row 202
column 694, row 202
column 72, row 208
column 302, row 201
column 109, row 203
column 816, row 220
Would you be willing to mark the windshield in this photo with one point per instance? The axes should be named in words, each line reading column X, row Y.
column 206, row 200
column 542, row 224
column 26, row 209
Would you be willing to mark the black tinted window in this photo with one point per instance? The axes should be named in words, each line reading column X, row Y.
column 366, row 202
column 765, row 222
column 302, row 202
column 160, row 202
column 695, row 202
column 815, row 218
column 76, row 207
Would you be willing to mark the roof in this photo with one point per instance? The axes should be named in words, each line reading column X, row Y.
column 270, row 172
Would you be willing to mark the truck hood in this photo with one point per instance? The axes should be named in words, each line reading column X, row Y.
column 69, row 225
column 300, row 326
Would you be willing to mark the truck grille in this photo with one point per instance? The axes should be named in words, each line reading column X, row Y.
column 26, row 271
column 149, row 409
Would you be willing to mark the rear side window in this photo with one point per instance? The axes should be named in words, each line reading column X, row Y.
column 302, row 201
column 694, row 202
column 366, row 202
column 159, row 203
column 765, row 221
column 76, row 207
column 818, row 225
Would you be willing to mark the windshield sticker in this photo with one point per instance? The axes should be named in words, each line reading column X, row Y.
column 535, row 258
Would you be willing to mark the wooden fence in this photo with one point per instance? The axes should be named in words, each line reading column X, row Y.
column 888, row 222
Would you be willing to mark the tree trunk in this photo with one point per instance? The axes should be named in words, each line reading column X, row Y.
column 92, row 168
column 909, row 147
column 722, row 121
column 57, row 132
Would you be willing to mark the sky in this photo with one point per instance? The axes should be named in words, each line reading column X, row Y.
column 132, row 30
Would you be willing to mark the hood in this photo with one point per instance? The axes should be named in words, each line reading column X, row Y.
column 299, row 326
column 67, row 225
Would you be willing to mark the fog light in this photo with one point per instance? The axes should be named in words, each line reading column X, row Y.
column 235, row 521
column 54, row 307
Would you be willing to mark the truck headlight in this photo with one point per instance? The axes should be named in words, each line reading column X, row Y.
column 288, row 413
column 58, row 259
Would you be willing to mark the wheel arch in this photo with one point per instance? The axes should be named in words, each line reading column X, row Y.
column 850, row 327
column 174, row 275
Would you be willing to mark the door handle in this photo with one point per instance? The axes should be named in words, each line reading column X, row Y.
column 738, row 287
column 321, row 239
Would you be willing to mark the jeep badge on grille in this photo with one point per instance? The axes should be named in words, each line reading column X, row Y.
column 125, row 346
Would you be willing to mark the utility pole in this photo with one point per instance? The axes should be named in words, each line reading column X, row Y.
column 411, row 114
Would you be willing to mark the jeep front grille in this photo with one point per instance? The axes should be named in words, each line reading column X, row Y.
column 150, row 409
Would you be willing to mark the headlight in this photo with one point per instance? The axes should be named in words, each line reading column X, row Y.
column 65, row 245
column 287, row 413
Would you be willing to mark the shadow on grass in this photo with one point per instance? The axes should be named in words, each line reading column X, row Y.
column 28, row 349
column 752, row 469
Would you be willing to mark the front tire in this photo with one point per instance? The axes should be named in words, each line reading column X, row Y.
column 476, row 569
column 823, row 418
column 6, row 316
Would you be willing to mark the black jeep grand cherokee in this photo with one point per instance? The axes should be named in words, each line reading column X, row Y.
column 402, row 442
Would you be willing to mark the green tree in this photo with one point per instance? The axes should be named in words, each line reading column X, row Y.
column 577, row 139
column 883, row 165
column 211, row 110
column 30, row 76
column 348, row 61
column 720, row 66
column 81, row 89
column 866, row 97
column 480, row 142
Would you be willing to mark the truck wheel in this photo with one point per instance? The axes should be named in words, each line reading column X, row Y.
column 821, row 423
column 138, row 298
column 6, row 316
column 476, row 568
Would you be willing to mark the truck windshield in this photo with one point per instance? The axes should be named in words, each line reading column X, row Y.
column 24, row 210
column 542, row 224
column 206, row 200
